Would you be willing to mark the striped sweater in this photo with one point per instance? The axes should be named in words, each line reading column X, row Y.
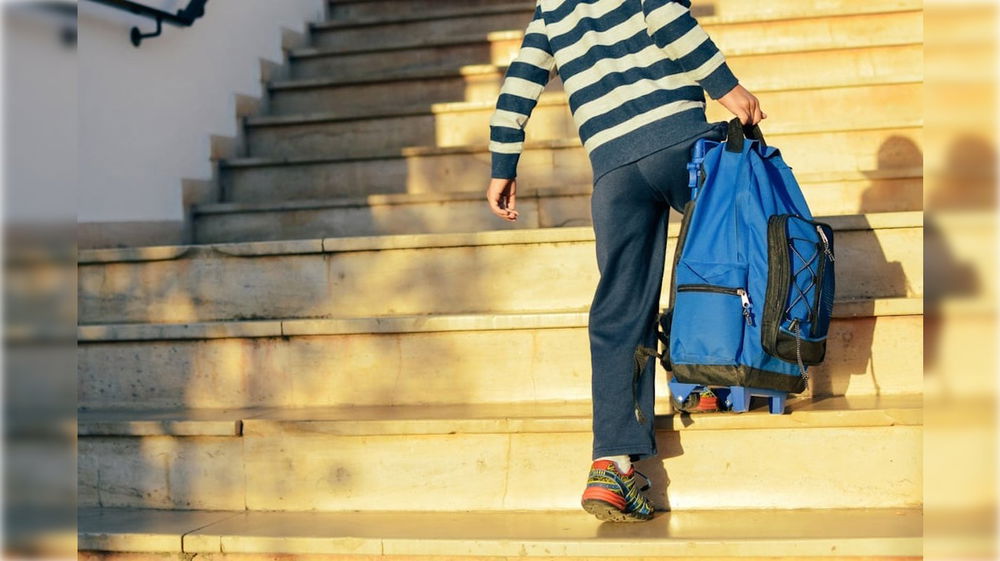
column 634, row 72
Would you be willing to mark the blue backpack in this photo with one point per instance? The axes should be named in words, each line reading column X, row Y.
column 752, row 289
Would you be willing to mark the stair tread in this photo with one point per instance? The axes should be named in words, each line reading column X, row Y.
column 471, row 321
column 518, row 34
column 568, row 416
column 808, row 12
column 425, row 15
column 523, row 533
column 862, row 221
column 523, row 192
column 549, row 98
column 559, row 143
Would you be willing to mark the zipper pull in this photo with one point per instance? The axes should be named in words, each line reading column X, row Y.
column 826, row 243
column 746, row 304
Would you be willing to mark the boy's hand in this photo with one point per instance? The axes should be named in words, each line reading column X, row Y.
column 500, row 195
column 744, row 105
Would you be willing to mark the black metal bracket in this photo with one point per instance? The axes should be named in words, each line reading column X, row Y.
column 183, row 18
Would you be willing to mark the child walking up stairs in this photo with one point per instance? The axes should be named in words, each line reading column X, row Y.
column 356, row 359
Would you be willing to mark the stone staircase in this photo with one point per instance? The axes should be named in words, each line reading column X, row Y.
column 357, row 360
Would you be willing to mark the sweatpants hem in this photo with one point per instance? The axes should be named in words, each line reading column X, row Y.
column 641, row 450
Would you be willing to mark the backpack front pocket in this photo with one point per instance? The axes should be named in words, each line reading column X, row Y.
column 711, row 310
column 800, row 287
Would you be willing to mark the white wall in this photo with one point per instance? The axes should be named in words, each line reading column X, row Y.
column 147, row 114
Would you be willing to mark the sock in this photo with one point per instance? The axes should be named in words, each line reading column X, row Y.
column 623, row 462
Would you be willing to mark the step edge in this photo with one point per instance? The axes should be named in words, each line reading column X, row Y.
column 203, row 539
column 844, row 222
column 523, row 193
column 526, row 7
column 546, row 99
column 403, row 242
column 893, row 414
column 408, row 324
column 428, row 151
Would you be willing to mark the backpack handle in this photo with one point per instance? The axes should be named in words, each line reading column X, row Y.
column 738, row 132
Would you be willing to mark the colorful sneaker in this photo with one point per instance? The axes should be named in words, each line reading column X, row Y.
column 616, row 496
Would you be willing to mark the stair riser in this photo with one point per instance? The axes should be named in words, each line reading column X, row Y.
column 384, row 63
column 349, row 10
column 848, row 151
column 404, row 33
column 802, row 69
column 733, row 39
column 770, row 468
column 771, row 35
column 865, row 356
column 722, row 8
column 844, row 108
column 444, row 280
column 349, row 99
column 848, row 197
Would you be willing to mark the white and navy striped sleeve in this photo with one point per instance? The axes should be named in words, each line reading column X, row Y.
column 523, row 82
column 675, row 30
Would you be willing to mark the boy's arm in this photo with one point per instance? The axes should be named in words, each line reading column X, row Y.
column 675, row 30
column 526, row 77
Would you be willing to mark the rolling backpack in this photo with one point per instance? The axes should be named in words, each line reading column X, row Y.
column 752, row 288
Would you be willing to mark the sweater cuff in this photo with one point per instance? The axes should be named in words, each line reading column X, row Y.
column 504, row 166
column 720, row 82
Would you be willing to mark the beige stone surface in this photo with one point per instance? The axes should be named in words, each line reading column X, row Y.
column 140, row 530
column 163, row 472
column 480, row 20
column 435, row 363
column 571, row 534
column 543, row 163
column 848, row 105
column 858, row 466
column 519, row 417
column 156, row 422
column 719, row 10
column 810, row 30
column 444, row 278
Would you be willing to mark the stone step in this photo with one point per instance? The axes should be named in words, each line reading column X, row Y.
column 450, row 60
column 430, row 359
column 726, row 10
column 376, row 215
column 399, row 29
column 875, row 534
column 831, row 453
column 431, row 169
column 482, row 83
column 878, row 256
column 859, row 105
column 447, row 55
column 367, row 9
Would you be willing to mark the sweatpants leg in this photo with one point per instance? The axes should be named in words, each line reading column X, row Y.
column 630, row 207
column 630, row 227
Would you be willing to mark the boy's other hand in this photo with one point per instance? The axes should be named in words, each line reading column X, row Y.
column 743, row 104
column 500, row 195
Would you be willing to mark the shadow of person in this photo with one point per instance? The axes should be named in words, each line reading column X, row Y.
column 866, row 273
column 965, row 182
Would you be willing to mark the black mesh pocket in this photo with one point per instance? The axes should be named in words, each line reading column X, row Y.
column 798, row 304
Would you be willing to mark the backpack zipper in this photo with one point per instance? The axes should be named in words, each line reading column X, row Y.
column 735, row 291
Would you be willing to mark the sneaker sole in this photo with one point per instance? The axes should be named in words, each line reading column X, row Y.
column 609, row 512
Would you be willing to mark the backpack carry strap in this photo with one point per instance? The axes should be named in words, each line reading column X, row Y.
column 738, row 132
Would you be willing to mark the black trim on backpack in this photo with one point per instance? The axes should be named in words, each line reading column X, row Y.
column 776, row 341
column 737, row 375
column 738, row 132
column 667, row 315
